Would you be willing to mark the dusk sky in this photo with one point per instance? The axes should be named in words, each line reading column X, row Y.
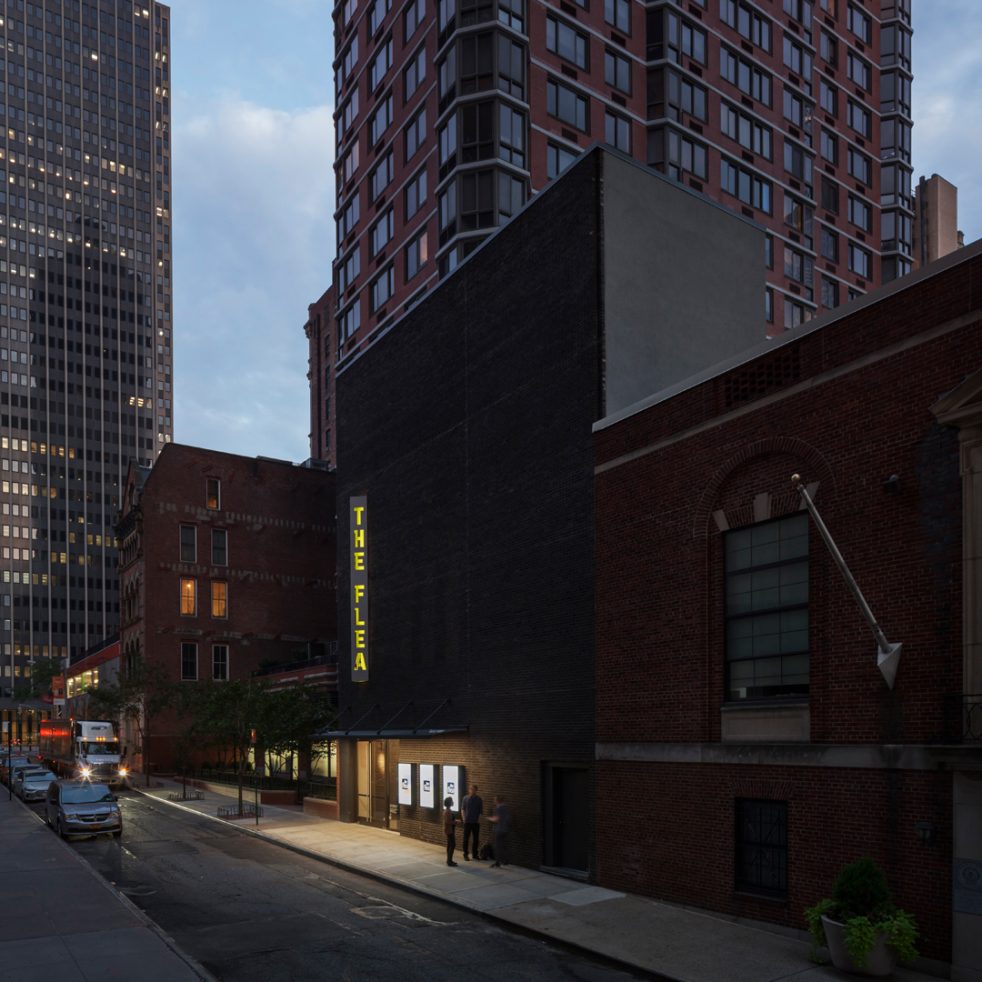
column 253, row 197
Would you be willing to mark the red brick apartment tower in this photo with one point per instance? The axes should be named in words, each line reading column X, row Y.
column 450, row 113
column 320, row 329
column 739, row 704
column 226, row 565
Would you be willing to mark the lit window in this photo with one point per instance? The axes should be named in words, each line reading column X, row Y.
column 213, row 494
column 189, row 597
column 219, row 598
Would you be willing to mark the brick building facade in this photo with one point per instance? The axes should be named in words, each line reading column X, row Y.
column 227, row 566
column 747, row 745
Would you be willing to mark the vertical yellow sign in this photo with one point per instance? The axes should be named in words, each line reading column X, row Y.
column 359, row 587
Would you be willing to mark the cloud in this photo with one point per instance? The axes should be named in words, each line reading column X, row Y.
column 253, row 227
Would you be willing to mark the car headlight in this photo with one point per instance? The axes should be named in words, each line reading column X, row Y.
column 86, row 771
column 123, row 771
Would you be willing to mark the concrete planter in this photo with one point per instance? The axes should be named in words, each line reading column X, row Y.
column 881, row 961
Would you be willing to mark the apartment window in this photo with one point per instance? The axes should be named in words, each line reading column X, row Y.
column 769, row 305
column 686, row 156
column 219, row 547
column 618, row 13
column 381, row 176
column 617, row 131
column 189, row 544
column 828, row 97
column 415, row 134
column 567, row 105
column 348, row 218
column 416, row 255
column 477, row 131
column 798, row 162
column 747, row 131
column 511, row 135
column 617, row 71
column 349, row 269
column 213, row 494
column 383, row 286
column 796, row 109
column 563, row 40
column 347, row 116
column 414, row 74
column 859, row 260
column 798, row 60
column 860, row 166
column 219, row 598
column 189, row 661
column 558, row 159
column 801, row 269
column 447, row 141
column 476, row 200
column 413, row 17
column 189, row 596
column 859, row 71
column 769, row 251
column 379, row 121
column 381, row 233
column 415, row 193
column 761, row 853
column 894, row 93
column 349, row 59
column 798, row 215
column 859, row 214
column 799, row 10
column 683, row 97
column 859, row 23
column 511, row 67
column 858, row 118
column 746, row 186
column 767, row 608
column 751, row 25
column 830, row 195
column 746, row 76
column 894, row 47
column 376, row 14
column 349, row 321
column 829, row 245
column 511, row 13
column 685, row 39
column 447, row 208
column 511, row 196
column 795, row 314
column 829, row 147
column 828, row 48
column 895, row 139
column 219, row 662
column 379, row 65
column 830, row 293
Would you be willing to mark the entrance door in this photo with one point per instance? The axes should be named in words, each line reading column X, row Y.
column 373, row 792
column 567, row 790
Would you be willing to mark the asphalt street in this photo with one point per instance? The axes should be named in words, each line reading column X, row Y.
column 251, row 911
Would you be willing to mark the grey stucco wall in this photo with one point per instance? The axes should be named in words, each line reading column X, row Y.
column 683, row 283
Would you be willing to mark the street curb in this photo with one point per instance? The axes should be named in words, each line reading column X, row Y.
column 379, row 877
column 152, row 925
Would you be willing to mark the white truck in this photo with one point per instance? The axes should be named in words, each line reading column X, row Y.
column 81, row 748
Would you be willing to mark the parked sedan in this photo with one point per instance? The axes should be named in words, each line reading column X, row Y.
column 17, row 774
column 81, row 808
column 7, row 765
column 34, row 784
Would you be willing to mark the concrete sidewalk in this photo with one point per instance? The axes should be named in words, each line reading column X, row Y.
column 62, row 921
column 663, row 940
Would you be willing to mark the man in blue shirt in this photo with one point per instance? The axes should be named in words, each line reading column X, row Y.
column 471, row 809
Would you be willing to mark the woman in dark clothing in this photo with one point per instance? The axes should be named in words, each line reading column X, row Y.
column 450, row 827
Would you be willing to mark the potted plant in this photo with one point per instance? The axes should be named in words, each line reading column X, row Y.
column 860, row 925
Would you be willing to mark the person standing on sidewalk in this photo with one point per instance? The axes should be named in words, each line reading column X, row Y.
column 471, row 809
column 450, row 828
column 502, row 826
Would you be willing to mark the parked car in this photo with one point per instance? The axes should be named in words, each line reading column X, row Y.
column 82, row 808
column 33, row 785
column 17, row 774
column 7, row 764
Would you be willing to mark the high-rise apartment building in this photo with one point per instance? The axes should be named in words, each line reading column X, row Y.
column 85, row 307
column 451, row 113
